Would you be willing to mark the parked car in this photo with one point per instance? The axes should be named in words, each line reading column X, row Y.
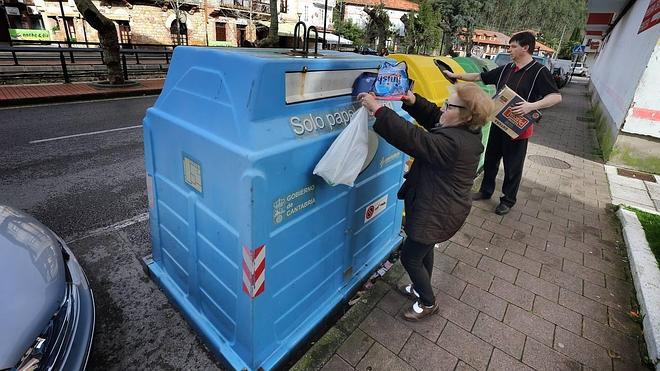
column 365, row 50
column 560, row 75
column 579, row 69
column 47, row 312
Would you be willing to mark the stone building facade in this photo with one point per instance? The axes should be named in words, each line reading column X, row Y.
column 203, row 22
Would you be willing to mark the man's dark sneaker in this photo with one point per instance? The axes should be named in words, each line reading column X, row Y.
column 502, row 209
column 479, row 196
column 419, row 311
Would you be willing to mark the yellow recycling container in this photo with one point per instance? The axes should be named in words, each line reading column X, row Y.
column 433, row 85
column 426, row 71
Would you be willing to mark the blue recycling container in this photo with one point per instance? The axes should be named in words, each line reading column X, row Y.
column 252, row 247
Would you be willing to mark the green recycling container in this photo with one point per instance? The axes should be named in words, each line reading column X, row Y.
column 472, row 65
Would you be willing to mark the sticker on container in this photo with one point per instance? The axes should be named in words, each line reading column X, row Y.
column 192, row 173
column 150, row 191
column 290, row 204
column 375, row 209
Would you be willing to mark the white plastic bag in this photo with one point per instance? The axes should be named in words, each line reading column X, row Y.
column 343, row 161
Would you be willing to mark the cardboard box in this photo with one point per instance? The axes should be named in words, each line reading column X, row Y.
column 505, row 119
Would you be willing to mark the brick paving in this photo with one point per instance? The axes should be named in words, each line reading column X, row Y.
column 42, row 93
column 545, row 287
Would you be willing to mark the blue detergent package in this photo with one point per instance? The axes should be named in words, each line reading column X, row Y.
column 364, row 83
column 392, row 82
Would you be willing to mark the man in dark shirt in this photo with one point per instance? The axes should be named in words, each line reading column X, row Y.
column 534, row 83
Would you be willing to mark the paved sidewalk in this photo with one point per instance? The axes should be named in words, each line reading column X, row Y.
column 14, row 95
column 545, row 287
column 639, row 193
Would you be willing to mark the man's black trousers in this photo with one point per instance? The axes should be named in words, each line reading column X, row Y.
column 417, row 258
column 501, row 146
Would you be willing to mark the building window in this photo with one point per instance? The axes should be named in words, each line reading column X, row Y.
column 241, row 33
column 284, row 6
column 179, row 33
column 68, row 22
column 124, row 32
column 220, row 31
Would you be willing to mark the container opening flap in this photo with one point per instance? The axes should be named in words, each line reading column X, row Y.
column 444, row 67
column 313, row 85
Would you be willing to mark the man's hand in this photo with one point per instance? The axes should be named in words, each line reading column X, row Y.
column 450, row 75
column 409, row 98
column 523, row 108
column 368, row 101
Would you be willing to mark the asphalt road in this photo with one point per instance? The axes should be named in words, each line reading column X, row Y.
column 79, row 169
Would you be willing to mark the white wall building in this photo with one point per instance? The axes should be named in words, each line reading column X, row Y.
column 354, row 10
column 625, row 73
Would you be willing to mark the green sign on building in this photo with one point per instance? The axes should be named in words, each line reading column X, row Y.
column 221, row 43
column 25, row 34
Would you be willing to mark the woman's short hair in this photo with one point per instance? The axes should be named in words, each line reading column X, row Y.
column 477, row 104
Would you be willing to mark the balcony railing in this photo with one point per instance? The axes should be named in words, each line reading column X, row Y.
column 257, row 6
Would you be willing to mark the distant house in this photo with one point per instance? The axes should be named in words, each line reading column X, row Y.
column 544, row 49
column 354, row 10
column 486, row 44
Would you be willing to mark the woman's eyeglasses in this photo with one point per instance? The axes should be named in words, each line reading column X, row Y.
column 447, row 105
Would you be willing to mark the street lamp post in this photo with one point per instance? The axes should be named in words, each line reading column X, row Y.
column 66, row 32
column 178, row 23
column 66, row 27
column 325, row 21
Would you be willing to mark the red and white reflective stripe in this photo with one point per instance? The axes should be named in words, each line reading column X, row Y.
column 646, row 113
column 254, row 271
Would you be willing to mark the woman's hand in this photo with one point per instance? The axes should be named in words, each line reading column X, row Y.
column 409, row 98
column 368, row 101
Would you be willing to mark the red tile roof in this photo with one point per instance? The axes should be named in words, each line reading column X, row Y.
column 389, row 4
column 544, row 48
column 500, row 38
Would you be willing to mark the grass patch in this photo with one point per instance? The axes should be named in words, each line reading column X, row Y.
column 651, row 225
column 603, row 133
column 637, row 160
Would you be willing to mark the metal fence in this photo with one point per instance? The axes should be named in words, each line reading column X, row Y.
column 57, row 61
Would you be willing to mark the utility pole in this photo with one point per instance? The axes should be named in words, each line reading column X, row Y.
column 206, row 21
column 560, row 41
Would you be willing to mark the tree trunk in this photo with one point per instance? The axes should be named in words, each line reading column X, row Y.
column 273, row 39
column 107, row 36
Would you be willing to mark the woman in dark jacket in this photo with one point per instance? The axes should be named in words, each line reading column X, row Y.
column 437, row 187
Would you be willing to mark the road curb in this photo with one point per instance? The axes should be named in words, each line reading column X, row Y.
column 646, row 276
column 78, row 97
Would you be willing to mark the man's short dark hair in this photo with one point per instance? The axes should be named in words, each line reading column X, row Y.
column 525, row 38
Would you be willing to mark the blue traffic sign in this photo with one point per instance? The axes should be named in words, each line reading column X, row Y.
column 579, row 49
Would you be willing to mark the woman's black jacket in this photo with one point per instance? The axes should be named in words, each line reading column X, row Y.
column 437, row 188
